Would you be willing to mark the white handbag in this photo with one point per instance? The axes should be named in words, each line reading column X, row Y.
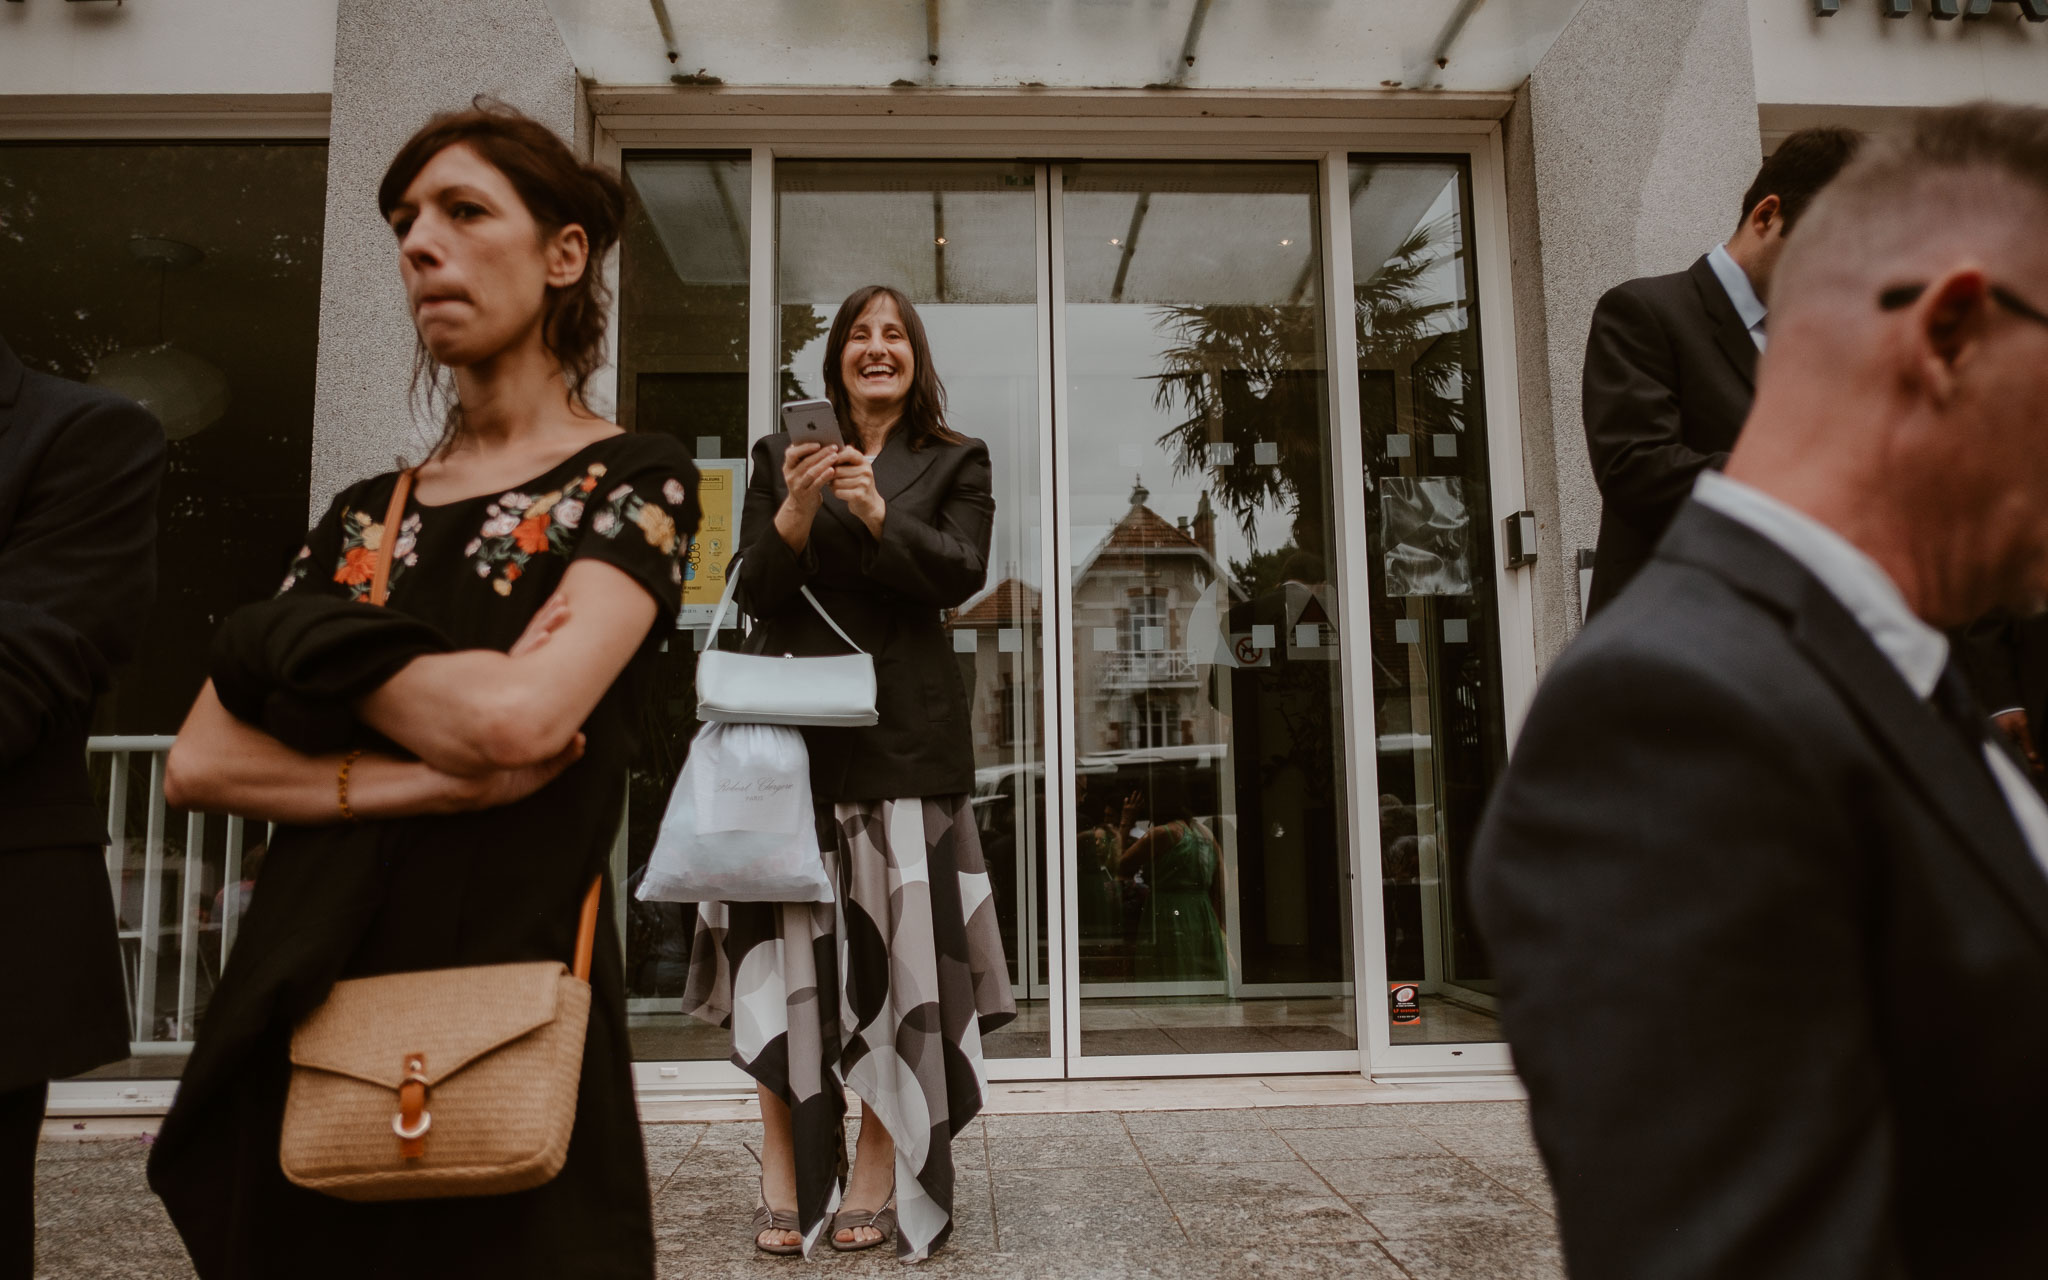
column 748, row 688
column 739, row 826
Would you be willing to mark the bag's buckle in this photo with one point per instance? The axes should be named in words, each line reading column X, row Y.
column 413, row 1119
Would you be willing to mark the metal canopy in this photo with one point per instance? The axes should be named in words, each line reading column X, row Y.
column 1464, row 45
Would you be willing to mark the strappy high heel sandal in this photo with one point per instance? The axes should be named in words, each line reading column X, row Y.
column 766, row 1220
column 882, row 1221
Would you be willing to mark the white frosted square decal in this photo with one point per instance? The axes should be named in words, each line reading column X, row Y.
column 966, row 640
column 1407, row 631
column 1308, row 635
column 707, row 448
column 1152, row 637
column 1222, row 455
column 1446, row 445
column 1104, row 639
column 1263, row 636
column 1457, row 631
column 1010, row 640
column 1397, row 446
column 1266, row 453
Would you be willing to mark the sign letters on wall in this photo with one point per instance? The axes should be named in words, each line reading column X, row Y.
column 2031, row 10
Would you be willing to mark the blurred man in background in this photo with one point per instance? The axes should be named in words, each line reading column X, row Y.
column 79, row 470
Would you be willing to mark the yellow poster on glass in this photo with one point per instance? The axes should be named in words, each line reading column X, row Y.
column 721, row 486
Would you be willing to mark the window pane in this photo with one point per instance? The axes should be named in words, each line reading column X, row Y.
column 1211, row 835
column 961, row 240
column 187, row 276
column 1431, row 558
column 682, row 370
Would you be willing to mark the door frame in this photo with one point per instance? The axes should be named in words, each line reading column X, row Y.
column 1010, row 126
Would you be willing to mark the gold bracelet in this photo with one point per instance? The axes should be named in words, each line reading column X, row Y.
column 341, row 784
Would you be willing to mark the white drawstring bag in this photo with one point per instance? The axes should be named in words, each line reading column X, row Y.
column 739, row 826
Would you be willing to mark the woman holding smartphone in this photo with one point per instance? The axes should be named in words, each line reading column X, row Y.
column 887, row 529
column 444, row 771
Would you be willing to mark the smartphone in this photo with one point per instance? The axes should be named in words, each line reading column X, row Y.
column 812, row 422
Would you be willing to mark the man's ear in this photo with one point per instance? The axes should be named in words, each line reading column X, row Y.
column 1948, row 320
column 568, row 253
column 1769, row 212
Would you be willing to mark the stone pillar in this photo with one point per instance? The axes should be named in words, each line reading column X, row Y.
column 397, row 62
column 1628, row 153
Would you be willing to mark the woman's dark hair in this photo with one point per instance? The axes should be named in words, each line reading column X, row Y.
column 559, row 191
column 924, row 409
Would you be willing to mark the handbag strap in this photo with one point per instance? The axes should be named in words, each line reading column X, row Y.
column 732, row 582
column 380, row 576
column 380, row 581
column 586, row 929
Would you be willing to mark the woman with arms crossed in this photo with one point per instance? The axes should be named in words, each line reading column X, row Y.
column 886, row 535
column 452, row 781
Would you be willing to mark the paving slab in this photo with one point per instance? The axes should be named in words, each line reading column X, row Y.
column 1377, row 1191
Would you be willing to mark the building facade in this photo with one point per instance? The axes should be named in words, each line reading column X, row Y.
column 1270, row 311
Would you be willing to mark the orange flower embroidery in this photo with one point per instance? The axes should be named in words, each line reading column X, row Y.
column 512, row 572
column 358, row 566
column 532, row 534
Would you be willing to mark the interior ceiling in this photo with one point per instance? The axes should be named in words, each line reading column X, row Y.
column 1467, row 45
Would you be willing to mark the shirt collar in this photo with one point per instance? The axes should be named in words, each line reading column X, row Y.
column 1748, row 307
column 1918, row 651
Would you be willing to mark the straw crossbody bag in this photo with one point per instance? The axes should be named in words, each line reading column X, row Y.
column 447, row 1082
column 750, row 688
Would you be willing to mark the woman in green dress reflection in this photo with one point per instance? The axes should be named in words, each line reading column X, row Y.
column 1101, row 852
column 1182, row 940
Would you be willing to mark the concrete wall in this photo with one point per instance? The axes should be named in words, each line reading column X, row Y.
column 1628, row 153
column 396, row 62
column 213, row 47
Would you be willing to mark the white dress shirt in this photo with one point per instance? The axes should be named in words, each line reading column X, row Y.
column 1918, row 651
column 1748, row 307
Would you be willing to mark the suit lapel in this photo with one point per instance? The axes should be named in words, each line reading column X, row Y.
column 1932, row 759
column 1730, row 334
column 898, row 466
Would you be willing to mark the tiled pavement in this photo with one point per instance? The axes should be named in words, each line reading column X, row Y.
column 1385, row 1190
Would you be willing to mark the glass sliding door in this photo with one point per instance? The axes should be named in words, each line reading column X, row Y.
column 1437, row 688
column 962, row 240
column 683, row 307
column 1210, row 858
column 1157, row 664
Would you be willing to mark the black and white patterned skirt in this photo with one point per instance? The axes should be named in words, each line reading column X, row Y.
column 886, row 992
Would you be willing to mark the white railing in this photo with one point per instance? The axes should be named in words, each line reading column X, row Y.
column 166, row 869
column 1128, row 668
column 161, row 870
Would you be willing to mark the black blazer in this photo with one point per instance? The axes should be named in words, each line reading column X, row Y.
column 1670, row 372
column 79, row 469
column 1773, row 951
column 887, row 594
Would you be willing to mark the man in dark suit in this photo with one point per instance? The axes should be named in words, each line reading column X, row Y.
column 1671, row 361
column 1766, row 898
column 79, row 470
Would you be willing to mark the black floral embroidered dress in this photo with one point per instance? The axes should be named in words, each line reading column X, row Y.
column 432, row 892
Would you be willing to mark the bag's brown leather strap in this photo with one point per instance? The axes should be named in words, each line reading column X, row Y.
column 387, row 541
column 380, row 581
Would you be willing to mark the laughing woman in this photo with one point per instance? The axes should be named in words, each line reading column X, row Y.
column 445, row 771
column 886, row 535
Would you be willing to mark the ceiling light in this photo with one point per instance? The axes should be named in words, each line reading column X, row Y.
column 939, row 240
column 1114, row 240
column 1285, row 243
